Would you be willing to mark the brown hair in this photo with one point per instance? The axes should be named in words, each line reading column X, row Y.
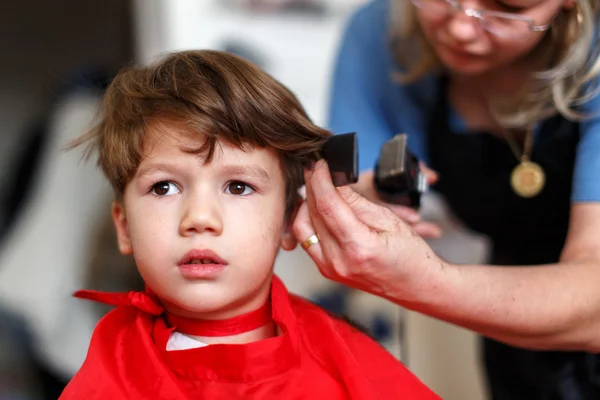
column 212, row 93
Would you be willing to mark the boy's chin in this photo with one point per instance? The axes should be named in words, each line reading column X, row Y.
column 216, row 305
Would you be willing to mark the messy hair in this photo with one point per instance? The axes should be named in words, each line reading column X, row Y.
column 570, row 52
column 215, row 95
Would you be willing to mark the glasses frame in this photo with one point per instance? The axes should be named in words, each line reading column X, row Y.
column 479, row 15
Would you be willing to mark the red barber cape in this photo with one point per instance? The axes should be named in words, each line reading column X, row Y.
column 315, row 356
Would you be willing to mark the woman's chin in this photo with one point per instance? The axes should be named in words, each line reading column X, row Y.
column 467, row 70
column 465, row 64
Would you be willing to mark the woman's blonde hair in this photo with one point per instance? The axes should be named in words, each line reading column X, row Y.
column 570, row 50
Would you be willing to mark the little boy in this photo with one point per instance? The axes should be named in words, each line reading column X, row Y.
column 205, row 153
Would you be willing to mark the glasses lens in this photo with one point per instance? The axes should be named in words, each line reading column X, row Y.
column 436, row 7
column 505, row 26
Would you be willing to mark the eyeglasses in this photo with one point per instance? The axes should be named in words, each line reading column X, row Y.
column 502, row 24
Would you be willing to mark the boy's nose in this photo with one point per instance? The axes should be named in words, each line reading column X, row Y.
column 201, row 215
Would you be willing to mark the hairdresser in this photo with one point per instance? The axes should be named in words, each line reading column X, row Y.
column 500, row 98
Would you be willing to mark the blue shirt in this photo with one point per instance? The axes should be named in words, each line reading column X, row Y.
column 365, row 99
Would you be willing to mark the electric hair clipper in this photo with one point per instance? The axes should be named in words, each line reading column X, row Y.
column 341, row 153
column 398, row 177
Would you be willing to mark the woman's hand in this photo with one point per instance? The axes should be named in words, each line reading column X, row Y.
column 366, row 188
column 360, row 243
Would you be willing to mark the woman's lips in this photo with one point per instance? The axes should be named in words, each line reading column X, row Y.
column 460, row 52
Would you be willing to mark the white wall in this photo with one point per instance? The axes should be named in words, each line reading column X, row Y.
column 299, row 50
column 41, row 42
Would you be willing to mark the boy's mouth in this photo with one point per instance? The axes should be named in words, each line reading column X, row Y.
column 203, row 257
column 203, row 261
column 201, row 264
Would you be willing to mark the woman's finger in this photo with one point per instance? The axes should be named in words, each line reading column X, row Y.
column 328, row 209
column 407, row 214
column 431, row 175
column 329, row 243
column 366, row 188
column 427, row 230
column 374, row 217
column 304, row 231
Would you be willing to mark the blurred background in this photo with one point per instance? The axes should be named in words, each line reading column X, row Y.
column 55, row 229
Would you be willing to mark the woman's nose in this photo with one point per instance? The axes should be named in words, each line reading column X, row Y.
column 462, row 27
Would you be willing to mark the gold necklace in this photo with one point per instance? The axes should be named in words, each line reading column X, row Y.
column 527, row 178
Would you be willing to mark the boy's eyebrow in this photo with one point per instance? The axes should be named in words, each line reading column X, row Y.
column 153, row 167
column 253, row 170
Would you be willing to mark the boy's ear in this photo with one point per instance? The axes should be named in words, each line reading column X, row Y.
column 288, row 240
column 120, row 220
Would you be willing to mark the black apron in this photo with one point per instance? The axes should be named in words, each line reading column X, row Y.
column 475, row 173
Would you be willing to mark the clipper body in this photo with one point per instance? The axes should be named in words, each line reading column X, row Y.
column 398, row 177
column 341, row 153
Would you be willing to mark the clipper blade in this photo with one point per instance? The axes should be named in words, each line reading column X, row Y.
column 392, row 157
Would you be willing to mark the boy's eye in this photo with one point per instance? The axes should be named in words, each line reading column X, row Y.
column 164, row 188
column 239, row 188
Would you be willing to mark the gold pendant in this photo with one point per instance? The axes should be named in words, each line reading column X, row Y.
column 528, row 179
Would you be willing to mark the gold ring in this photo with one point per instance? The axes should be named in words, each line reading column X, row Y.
column 310, row 241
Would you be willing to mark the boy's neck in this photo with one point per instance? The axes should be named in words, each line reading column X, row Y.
column 249, row 308
column 264, row 332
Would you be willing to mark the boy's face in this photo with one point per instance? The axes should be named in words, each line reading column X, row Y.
column 204, row 236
